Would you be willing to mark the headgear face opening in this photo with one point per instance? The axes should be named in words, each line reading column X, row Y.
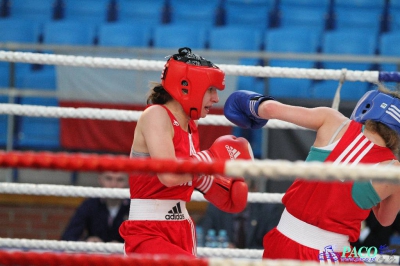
column 380, row 107
column 187, row 77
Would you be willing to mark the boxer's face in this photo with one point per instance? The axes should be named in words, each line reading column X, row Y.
column 210, row 98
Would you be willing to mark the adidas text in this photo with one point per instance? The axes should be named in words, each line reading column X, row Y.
column 174, row 217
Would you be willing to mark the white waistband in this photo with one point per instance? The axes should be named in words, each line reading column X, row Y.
column 158, row 210
column 309, row 235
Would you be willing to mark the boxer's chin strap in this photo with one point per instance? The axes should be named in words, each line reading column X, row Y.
column 336, row 99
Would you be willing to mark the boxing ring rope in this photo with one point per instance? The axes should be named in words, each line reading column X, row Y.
column 154, row 65
column 115, row 248
column 274, row 169
column 115, row 193
column 112, row 114
column 88, row 162
column 253, row 255
column 54, row 259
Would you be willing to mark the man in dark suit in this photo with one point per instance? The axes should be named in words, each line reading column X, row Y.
column 98, row 219
column 245, row 229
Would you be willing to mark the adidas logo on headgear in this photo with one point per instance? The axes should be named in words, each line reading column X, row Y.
column 175, row 213
column 233, row 153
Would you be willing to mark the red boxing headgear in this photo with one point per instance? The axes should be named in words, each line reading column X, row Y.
column 187, row 77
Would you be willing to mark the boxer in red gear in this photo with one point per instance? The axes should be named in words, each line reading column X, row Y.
column 158, row 220
column 321, row 218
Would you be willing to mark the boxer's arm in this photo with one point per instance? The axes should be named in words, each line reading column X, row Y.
column 154, row 135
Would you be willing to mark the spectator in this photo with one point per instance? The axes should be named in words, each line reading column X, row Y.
column 247, row 228
column 98, row 219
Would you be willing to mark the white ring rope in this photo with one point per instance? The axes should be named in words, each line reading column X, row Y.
column 153, row 65
column 276, row 169
column 117, row 248
column 112, row 114
column 114, row 248
column 116, row 193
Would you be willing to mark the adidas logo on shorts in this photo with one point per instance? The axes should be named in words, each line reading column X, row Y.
column 175, row 213
column 233, row 153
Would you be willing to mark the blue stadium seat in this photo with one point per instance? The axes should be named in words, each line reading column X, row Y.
column 39, row 79
column 19, row 31
column 250, row 83
column 150, row 12
column 394, row 21
column 195, row 12
column 251, row 13
column 346, row 42
column 314, row 19
column 301, row 41
column 310, row 13
column 394, row 6
column 3, row 124
column 88, row 11
column 39, row 11
column 320, row 4
column 69, row 32
column 350, row 91
column 63, row 32
column 394, row 15
column 38, row 132
column 359, row 19
column 359, row 4
column 387, row 47
column 124, row 34
column 359, row 14
column 234, row 37
column 349, row 42
column 180, row 35
column 4, row 74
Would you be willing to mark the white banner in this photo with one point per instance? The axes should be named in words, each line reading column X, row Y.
column 118, row 86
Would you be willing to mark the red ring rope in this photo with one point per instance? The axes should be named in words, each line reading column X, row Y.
column 65, row 259
column 94, row 162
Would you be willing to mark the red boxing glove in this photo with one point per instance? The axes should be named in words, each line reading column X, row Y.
column 225, row 148
column 227, row 194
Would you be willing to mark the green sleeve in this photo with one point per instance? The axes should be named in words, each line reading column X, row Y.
column 364, row 195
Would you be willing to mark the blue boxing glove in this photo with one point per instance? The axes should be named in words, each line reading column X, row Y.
column 241, row 108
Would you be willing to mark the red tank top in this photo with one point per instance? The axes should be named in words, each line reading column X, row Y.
column 329, row 205
column 148, row 186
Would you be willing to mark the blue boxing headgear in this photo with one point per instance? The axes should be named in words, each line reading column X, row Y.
column 380, row 107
